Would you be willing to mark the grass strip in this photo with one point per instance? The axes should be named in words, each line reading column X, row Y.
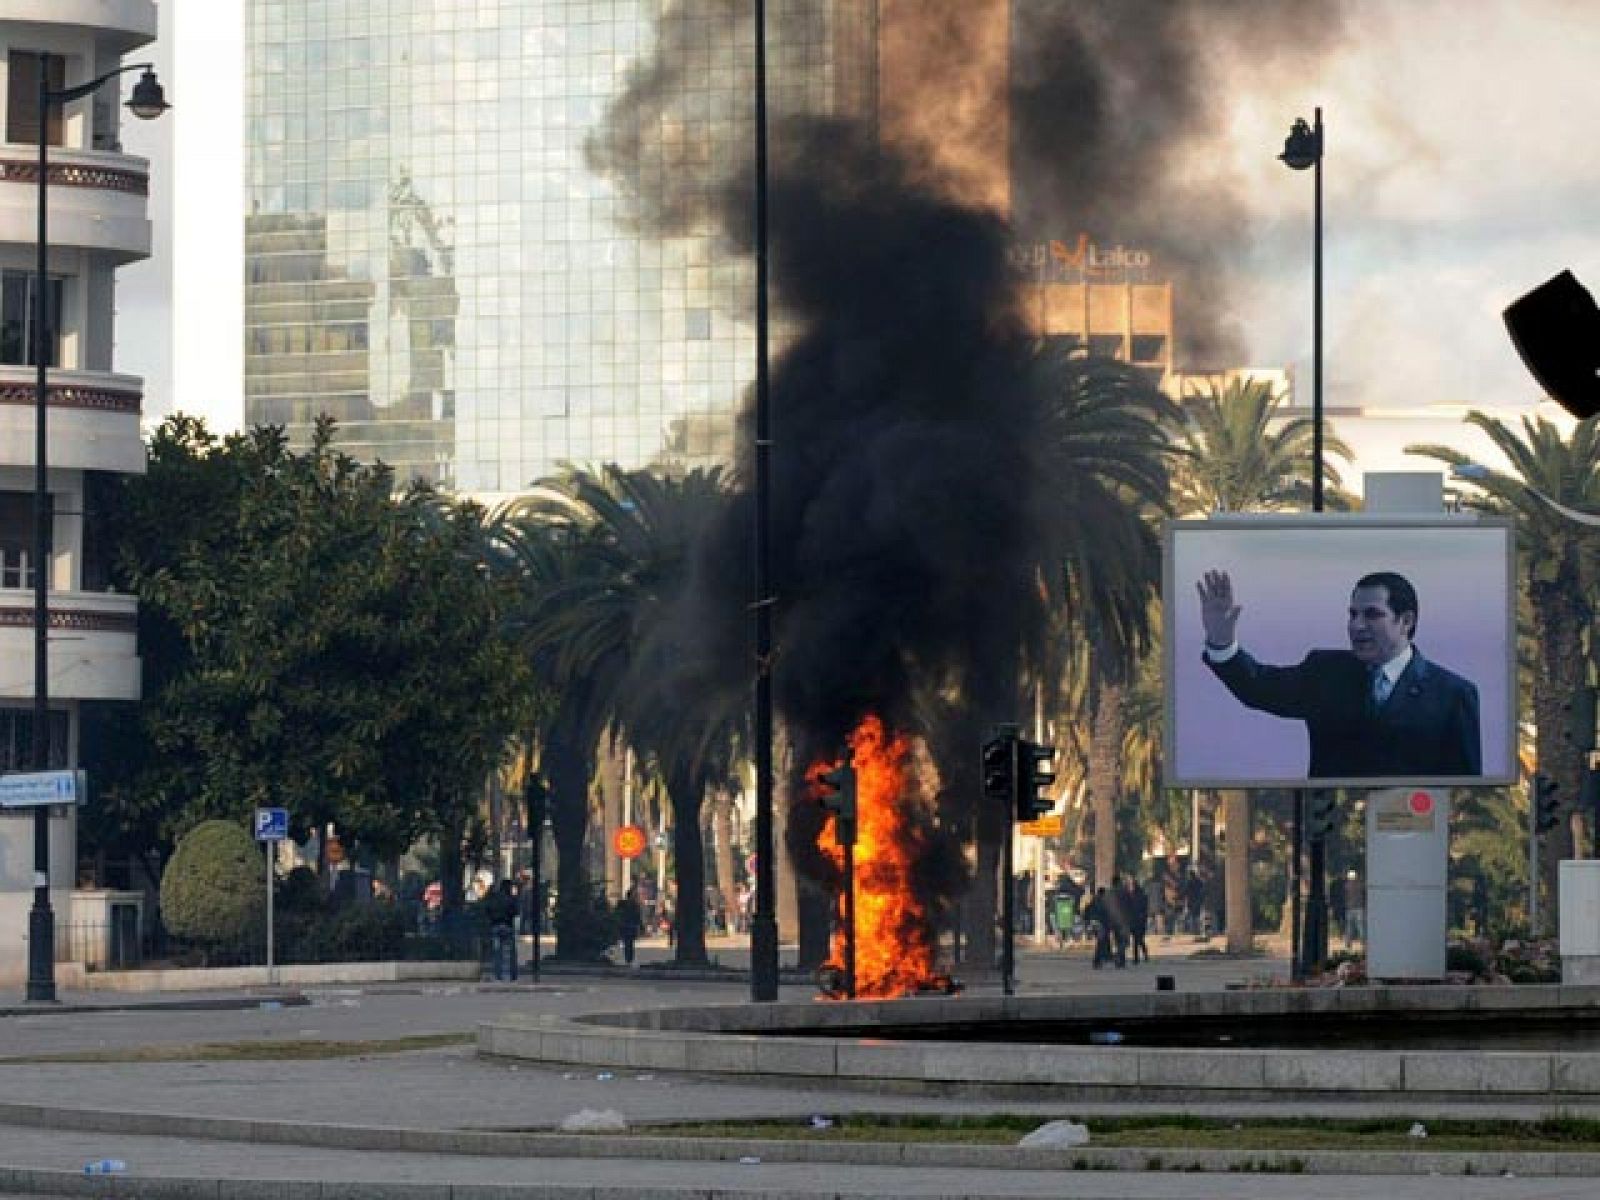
column 253, row 1051
column 1568, row 1135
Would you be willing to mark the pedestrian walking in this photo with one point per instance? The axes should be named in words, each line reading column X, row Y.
column 1100, row 924
column 1117, row 913
column 630, row 919
column 1138, row 907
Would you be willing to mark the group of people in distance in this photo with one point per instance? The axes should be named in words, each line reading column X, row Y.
column 1119, row 916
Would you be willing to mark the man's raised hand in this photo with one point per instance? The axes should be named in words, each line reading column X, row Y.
column 1218, row 613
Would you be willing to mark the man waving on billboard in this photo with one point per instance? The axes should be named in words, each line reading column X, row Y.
column 1378, row 709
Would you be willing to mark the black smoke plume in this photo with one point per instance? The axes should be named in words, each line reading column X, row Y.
column 1113, row 105
column 905, row 484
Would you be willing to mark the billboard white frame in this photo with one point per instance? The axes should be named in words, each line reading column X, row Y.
column 1463, row 567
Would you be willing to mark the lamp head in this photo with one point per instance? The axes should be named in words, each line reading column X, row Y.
column 1302, row 148
column 148, row 100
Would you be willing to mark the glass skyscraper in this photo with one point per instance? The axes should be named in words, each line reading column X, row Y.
column 432, row 262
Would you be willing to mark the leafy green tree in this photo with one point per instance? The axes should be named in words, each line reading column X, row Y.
column 212, row 889
column 319, row 644
column 178, row 512
column 1556, row 556
column 1488, row 860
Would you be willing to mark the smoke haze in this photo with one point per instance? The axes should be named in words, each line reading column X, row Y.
column 906, row 494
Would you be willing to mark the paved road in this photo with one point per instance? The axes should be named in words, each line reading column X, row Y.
column 451, row 1089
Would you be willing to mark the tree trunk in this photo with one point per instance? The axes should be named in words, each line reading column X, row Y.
column 450, row 865
column 981, row 913
column 816, row 880
column 1105, row 778
column 1564, row 713
column 688, row 853
column 1236, row 811
column 784, row 882
column 722, row 827
column 610, row 770
column 566, row 767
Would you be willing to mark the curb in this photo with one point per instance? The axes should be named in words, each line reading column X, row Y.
column 191, row 1004
column 471, row 1143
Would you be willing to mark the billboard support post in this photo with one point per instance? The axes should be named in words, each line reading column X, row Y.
column 1296, row 886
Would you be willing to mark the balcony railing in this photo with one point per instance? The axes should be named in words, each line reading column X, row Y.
column 79, row 620
column 62, row 390
column 79, row 175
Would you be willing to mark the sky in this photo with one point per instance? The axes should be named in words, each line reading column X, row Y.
column 1459, row 173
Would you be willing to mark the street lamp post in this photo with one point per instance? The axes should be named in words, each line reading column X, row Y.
column 146, row 103
column 763, row 918
column 1302, row 149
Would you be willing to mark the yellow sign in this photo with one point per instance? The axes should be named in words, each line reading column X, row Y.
column 1046, row 826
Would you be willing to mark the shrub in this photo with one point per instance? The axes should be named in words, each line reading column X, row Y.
column 213, row 890
column 361, row 933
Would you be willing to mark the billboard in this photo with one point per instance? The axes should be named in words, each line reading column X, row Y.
column 1339, row 651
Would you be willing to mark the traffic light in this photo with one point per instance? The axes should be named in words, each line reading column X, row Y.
column 838, row 788
column 1322, row 813
column 1035, row 772
column 1000, row 768
column 1545, row 803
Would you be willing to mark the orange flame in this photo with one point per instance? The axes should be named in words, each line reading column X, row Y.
column 895, row 943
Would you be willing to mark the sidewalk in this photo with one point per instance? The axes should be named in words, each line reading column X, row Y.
column 337, row 1129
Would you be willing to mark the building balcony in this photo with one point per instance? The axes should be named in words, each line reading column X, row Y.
column 94, row 651
column 126, row 23
column 98, row 201
column 92, row 423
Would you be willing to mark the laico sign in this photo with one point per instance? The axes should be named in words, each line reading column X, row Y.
column 1083, row 255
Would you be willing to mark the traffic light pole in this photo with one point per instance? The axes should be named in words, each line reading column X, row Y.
column 1008, row 900
column 1533, row 865
column 850, row 918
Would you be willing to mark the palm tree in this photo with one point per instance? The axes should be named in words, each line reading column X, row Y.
column 1096, row 465
column 614, row 622
column 1558, row 578
column 1106, row 443
column 1242, row 457
column 543, row 547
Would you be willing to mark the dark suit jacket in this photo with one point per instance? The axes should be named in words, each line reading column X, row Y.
column 1428, row 725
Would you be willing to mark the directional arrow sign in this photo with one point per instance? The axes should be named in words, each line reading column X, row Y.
column 38, row 789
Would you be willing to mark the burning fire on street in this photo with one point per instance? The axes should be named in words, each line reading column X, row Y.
column 896, row 937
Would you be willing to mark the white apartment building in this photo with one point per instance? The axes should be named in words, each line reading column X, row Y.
column 98, row 221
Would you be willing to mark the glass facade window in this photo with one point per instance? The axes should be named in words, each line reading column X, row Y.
column 16, row 540
column 17, row 292
column 22, row 97
column 432, row 259
column 16, row 739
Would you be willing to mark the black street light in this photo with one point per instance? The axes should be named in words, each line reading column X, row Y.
column 763, row 918
column 146, row 103
column 1302, row 149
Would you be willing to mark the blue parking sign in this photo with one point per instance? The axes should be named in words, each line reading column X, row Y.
column 272, row 824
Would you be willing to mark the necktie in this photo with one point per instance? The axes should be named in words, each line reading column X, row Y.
column 1380, row 687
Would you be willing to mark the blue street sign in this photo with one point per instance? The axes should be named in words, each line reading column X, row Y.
column 272, row 824
column 39, row 789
